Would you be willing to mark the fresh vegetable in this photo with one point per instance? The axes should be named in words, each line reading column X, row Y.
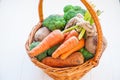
column 71, row 33
column 54, row 22
column 67, row 8
column 71, row 28
column 91, row 44
column 40, row 56
column 41, row 34
column 76, row 48
column 66, row 46
column 87, row 55
column 73, row 60
column 66, row 34
column 51, row 50
column 71, row 11
column 73, row 21
column 79, row 29
column 33, row 44
column 81, row 34
column 51, row 40
column 88, row 17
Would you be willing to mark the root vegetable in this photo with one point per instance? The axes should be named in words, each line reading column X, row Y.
column 77, row 47
column 66, row 46
column 51, row 40
column 71, row 33
column 73, row 60
column 41, row 34
column 91, row 44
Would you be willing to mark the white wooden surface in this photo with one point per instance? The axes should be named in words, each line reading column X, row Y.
column 17, row 17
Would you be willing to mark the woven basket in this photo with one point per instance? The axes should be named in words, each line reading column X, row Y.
column 68, row 73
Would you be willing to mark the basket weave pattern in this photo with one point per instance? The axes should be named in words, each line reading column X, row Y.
column 68, row 73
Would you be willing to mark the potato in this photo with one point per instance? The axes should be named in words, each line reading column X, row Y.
column 91, row 44
column 41, row 34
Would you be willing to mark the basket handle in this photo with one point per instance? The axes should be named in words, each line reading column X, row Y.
column 99, row 30
column 40, row 10
column 96, row 20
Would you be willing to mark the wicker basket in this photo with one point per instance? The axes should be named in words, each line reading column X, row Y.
column 68, row 73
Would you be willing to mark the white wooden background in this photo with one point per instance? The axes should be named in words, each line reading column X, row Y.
column 17, row 17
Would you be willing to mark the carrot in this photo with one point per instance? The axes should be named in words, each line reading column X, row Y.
column 66, row 34
column 66, row 46
column 73, row 60
column 98, row 27
column 77, row 47
column 72, row 33
column 52, row 39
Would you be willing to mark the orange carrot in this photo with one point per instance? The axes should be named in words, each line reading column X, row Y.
column 66, row 34
column 73, row 60
column 72, row 33
column 77, row 47
column 66, row 46
column 52, row 39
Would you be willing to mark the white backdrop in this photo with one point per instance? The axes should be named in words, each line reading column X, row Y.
column 17, row 17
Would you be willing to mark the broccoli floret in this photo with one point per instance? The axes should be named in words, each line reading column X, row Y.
column 71, row 11
column 87, row 55
column 42, row 55
column 54, row 22
column 34, row 44
column 82, row 11
column 67, row 8
column 51, row 50
column 77, row 8
column 70, row 14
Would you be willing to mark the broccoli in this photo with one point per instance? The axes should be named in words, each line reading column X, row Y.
column 77, row 8
column 70, row 14
column 42, row 55
column 34, row 44
column 51, row 50
column 67, row 8
column 87, row 55
column 71, row 11
column 53, row 22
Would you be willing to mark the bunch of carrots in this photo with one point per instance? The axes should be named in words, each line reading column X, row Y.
column 66, row 54
column 70, row 44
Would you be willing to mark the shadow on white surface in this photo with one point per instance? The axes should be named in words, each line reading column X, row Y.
column 31, row 72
